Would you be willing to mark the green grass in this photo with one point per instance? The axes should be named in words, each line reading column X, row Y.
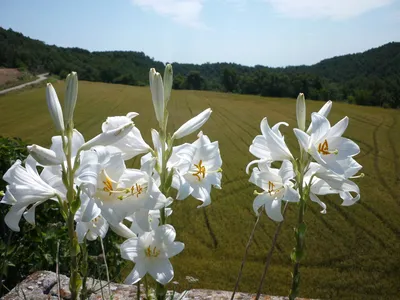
column 353, row 252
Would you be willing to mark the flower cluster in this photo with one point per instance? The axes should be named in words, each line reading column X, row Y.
column 325, row 165
column 93, row 186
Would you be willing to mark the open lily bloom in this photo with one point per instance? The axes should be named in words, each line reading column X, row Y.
column 277, row 185
column 197, row 168
column 151, row 252
column 270, row 146
column 326, row 182
column 121, row 191
column 130, row 145
column 326, row 144
column 25, row 187
column 97, row 227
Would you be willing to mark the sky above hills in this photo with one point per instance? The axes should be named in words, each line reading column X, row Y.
column 267, row 32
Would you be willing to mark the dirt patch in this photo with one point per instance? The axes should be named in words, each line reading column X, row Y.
column 9, row 75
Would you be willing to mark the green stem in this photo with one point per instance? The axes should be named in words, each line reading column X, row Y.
column 84, row 269
column 298, row 252
column 74, row 282
column 161, row 291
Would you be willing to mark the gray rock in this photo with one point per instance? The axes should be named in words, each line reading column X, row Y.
column 42, row 285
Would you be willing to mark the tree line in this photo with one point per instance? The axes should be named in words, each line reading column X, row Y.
column 368, row 78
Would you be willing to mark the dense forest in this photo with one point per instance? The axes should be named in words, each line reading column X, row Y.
column 368, row 78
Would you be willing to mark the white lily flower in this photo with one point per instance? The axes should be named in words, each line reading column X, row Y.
column 277, row 185
column 98, row 227
column 157, row 94
column 109, row 137
column 324, row 111
column 270, row 146
column 301, row 112
column 197, row 168
column 93, row 229
column 326, row 144
column 193, row 124
column 54, row 108
column 121, row 191
column 132, row 144
column 25, row 187
column 326, row 182
column 71, row 95
column 151, row 252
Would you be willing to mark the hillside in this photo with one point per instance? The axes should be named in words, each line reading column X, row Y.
column 368, row 78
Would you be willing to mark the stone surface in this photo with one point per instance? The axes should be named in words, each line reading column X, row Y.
column 43, row 285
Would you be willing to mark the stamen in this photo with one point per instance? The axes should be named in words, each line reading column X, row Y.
column 323, row 148
column 201, row 170
column 152, row 253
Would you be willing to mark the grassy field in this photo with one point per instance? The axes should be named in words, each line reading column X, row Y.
column 353, row 252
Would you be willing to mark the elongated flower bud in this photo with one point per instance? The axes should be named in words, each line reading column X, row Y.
column 43, row 156
column 54, row 107
column 71, row 94
column 108, row 137
column 168, row 81
column 301, row 112
column 157, row 94
column 193, row 124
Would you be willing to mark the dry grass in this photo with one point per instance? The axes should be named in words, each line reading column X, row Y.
column 353, row 252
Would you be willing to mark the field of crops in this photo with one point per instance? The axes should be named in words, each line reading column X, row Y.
column 352, row 252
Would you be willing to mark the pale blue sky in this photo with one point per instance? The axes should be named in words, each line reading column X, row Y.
column 266, row 32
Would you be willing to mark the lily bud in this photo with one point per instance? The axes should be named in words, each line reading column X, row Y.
column 157, row 94
column 71, row 94
column 108, row 137
column 43, row 156
column 168, row 81
column 193, row 124
column 54, row 107
column 301, row 112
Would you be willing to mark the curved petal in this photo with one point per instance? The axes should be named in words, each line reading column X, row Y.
column 174, row 249
column 259, row 201
column 314, row 198
column 303, row 138
column 165, row 234
column 273, row 209
column 129, row 249
column 339, row 128
column 13, row 216
column 161, row 270
column 320, row 127
column 259, row 148
column 291, row 195
column 137, row 274
column 286, row 171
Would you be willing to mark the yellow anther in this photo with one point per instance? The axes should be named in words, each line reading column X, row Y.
column 152, row 253
column 270, row 188
column 201, row 170
column 323, row 148
column 108, row 185
column 138, row 188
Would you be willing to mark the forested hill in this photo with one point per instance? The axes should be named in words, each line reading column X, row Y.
column 369, row 78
